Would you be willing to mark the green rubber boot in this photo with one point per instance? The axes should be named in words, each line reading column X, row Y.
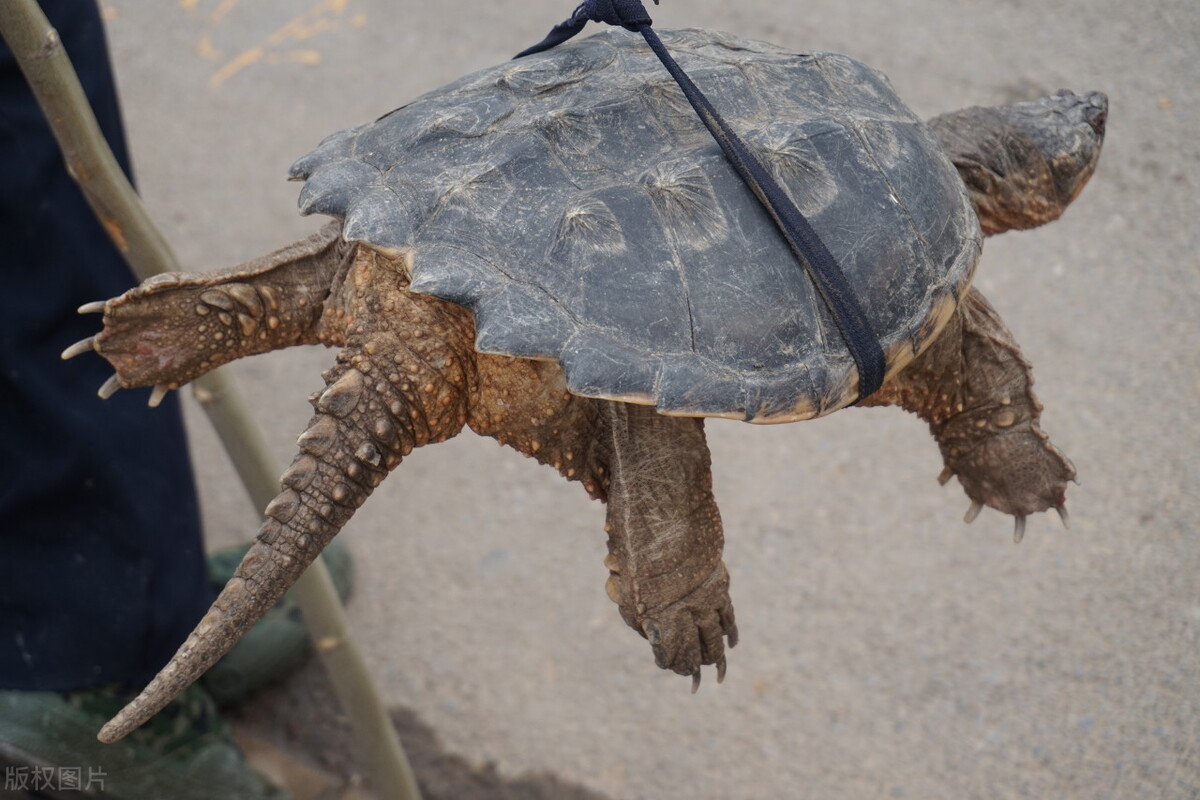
column 48, row 748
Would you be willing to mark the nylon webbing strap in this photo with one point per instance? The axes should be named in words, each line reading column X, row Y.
column 804, row 242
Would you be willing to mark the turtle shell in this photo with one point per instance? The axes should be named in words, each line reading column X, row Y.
column 574, row 202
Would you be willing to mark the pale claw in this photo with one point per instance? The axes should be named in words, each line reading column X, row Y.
column 695, row 681
column 109, row 388
column 157, row 395
column 973, row 512
column 1019, row 530
column 92, row 308
column 1066, row 518
column 721, row 670
column 80, row 347
column 946, row 475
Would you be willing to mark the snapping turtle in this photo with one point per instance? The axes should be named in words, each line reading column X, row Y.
column 554, row 253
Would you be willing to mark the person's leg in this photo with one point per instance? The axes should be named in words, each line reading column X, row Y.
column 101, row 562
column 102, row 569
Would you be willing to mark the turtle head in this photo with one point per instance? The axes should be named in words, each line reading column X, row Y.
column 1024, row 163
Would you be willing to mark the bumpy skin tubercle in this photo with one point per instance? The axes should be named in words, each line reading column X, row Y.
column 175, row 327
column 654, row 472
column 1023, row 164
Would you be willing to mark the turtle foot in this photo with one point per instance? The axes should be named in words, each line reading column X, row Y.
column 175, row 327
column 1018, row 473
column 692, row 632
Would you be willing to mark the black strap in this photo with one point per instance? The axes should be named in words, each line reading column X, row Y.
column 820, row 264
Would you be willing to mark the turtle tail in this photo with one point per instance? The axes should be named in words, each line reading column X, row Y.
column 348, row 448
column 403, row 380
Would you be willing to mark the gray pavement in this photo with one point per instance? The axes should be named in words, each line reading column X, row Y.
column 888, row 649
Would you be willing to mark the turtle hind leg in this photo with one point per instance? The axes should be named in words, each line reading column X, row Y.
column 175, row 327
column 974, row 389
column 404, row 380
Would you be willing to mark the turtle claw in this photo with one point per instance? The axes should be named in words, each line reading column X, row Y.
column 157, row 395
column 696, row 681
column 973, row 512
column 721, row 670
column 92, row 308
column 1019, row 529
column 109, row 388
column 82, row 346
column 1066, row 518
column 945, row 477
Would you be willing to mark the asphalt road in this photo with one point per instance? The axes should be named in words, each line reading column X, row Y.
column 888, row 650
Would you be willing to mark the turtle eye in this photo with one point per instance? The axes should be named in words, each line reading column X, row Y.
column 1064, row 93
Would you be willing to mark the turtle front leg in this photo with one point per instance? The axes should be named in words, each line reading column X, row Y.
column 974, row 389
column 177, row 326
column 665, row 538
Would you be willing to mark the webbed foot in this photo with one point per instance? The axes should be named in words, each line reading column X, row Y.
column 665, row 538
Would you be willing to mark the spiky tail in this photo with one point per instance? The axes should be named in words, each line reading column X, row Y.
column 384, row 397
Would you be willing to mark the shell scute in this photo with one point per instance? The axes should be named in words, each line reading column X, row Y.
column 612, row 289
column 683, row 196
column 385, row 218
column 332, row 147
column 599, row 364
column 587, row 227
column 540, row 324
column 553, row 71
column 339, row 185
column 787, row 151
column 453, row 272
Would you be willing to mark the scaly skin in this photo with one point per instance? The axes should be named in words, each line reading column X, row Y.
column 175, row 327
column 1024, row 163
column 408, row 375
column 974, row 389
column 665, row 538
column 400, row 381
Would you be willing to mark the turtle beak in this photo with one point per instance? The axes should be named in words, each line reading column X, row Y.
column 1096, row 113
column 1095, row 108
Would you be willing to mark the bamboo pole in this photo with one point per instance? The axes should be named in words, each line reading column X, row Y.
column 47, row 68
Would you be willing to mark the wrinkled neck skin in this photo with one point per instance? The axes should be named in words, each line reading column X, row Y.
column 1024, row 163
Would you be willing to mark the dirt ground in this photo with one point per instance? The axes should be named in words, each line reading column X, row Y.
column 308, row 747
column 888, row 650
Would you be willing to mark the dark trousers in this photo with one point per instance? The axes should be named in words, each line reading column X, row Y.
column 101, row 561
